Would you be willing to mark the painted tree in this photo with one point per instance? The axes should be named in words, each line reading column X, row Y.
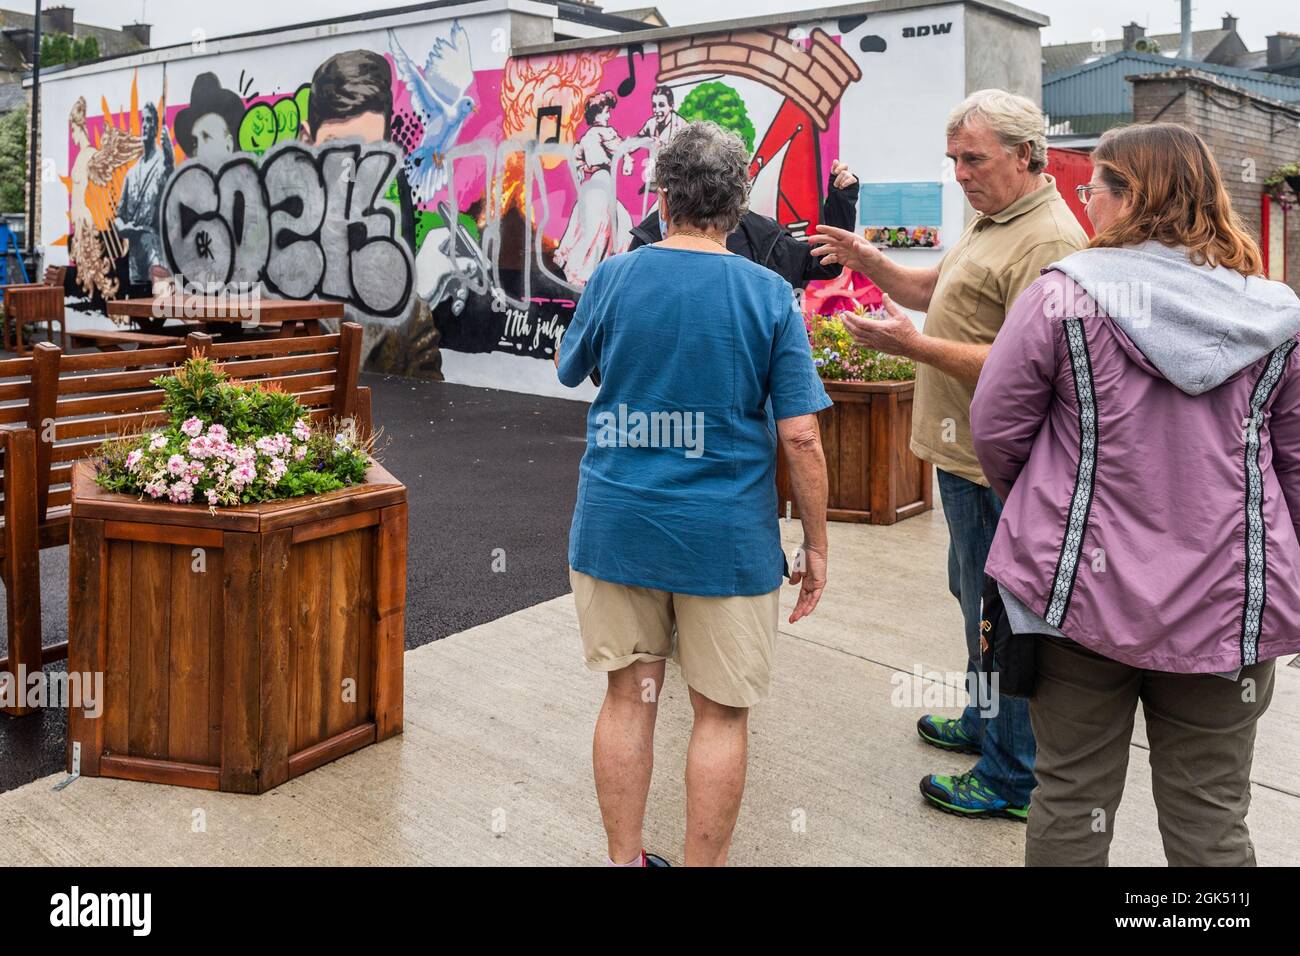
column 721, row 104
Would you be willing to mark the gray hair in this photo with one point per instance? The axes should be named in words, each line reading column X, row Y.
column 1015, row 119
column 703, row 177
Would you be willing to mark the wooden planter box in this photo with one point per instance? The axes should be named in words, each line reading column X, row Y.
column 873, row 475
column 242, row 647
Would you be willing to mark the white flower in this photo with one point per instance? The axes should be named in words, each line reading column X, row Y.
column 192, row 427
column 276, row 471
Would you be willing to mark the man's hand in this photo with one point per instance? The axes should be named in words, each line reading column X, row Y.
column 810, row 571
column 841, row 176
column 833, row 245
column 894, row 334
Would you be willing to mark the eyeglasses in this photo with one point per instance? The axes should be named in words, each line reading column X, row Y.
column 1085, row 191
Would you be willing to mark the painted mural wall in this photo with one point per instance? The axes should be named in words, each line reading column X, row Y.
column 456, row 199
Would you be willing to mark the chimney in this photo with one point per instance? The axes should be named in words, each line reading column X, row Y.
column 1229, row 22
column 1133, row 33
column 1185, row 30
column 57, row 20
column 1281, row 47
column 139, row 31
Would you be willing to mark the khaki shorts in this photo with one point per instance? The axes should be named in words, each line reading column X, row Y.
column 724, row 645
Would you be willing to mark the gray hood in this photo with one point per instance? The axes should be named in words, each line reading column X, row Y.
column 1197, row 325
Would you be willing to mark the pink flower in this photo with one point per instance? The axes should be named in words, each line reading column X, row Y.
column 200, row 447
column 243, row 474
column 176, row 464
column 217, row 432
column 301, row 429
column 299, row 452
column 182, row 492
column 275, row 471
column 133, row 459
column 156, row 441
column 192, row 427
column 156, row 489
column 274, row 445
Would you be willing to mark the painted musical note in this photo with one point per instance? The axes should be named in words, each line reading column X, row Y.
column 550, row 120
column 627, row 86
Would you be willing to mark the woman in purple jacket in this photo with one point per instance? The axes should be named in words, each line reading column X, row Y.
column 1140, row 416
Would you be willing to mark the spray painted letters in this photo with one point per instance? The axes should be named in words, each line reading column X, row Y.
column 305, row 222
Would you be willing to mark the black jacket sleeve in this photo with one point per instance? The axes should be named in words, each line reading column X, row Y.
column 839, row 210
column 841, row 207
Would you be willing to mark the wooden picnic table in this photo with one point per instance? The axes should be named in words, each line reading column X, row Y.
column 294, row 317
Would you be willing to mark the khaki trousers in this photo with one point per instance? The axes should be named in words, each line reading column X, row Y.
column 1201, row 729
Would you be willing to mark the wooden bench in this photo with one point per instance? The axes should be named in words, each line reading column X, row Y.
column 33, row 304
column 118, row 339
column 56, row 409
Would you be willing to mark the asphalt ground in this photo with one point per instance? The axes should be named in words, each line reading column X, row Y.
column 491, row 478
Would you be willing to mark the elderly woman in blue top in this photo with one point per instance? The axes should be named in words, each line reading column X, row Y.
column 675, row 548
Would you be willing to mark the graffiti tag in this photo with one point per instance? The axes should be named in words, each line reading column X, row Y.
column 305, row 222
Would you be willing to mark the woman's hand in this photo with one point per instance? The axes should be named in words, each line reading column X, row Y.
column 810, row 572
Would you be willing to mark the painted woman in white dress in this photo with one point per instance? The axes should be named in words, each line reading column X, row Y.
column 599, row 226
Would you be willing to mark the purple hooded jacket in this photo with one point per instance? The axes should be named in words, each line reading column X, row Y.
column 1140, row 417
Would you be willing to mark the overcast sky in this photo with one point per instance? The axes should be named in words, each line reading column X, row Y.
column 174, row 20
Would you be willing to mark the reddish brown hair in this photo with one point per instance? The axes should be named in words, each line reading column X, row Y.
column 1175, row 196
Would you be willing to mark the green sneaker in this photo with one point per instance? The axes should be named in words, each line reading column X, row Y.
column 965, row 796
column 946, row 734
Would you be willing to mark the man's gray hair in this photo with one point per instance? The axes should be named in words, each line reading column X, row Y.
column 1015, row 119
column 703, row 177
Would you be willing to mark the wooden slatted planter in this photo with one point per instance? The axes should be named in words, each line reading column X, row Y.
column 229, row 640
column 872, row 474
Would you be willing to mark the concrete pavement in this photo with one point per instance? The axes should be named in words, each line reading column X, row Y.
column 494, row 764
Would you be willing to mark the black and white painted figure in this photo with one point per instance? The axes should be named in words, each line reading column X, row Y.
column 137, row 210
column 207, row 129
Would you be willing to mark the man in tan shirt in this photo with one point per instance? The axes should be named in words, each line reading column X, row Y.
column 999, row 152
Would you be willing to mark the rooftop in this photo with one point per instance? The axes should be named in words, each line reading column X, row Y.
column 17, row 27
column 998, row 7
column 572, row 11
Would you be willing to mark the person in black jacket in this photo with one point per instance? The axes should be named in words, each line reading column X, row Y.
column 762, row 240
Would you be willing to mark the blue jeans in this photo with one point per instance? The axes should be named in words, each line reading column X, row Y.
column 1007, row 740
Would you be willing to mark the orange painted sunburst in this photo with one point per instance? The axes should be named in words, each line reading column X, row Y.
column 102, row 197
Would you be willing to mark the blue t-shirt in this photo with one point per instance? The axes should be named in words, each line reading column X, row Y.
column 699, row 353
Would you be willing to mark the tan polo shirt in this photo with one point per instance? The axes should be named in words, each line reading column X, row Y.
column 995, row 259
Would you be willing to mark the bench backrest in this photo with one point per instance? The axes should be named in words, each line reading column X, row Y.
column 74, row 402
column 15, row 394
column 33, row 302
